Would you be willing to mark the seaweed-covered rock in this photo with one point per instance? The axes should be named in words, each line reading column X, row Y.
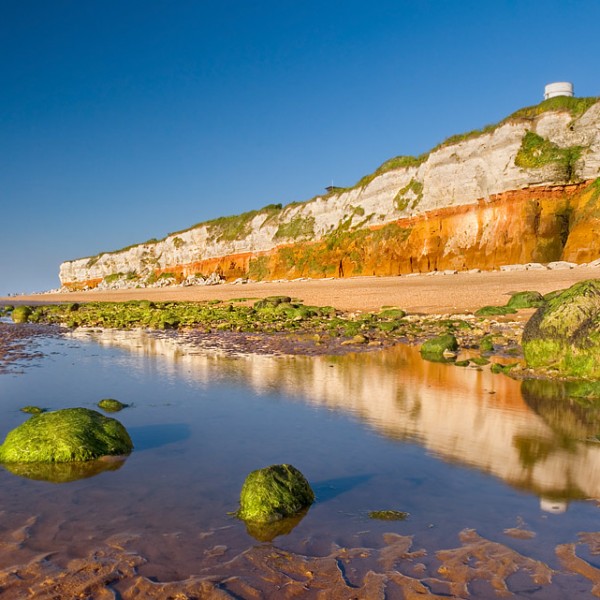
column 272, row 301
column 388, row 515
column 435, row 347
column 32, row 410
column 111, row 405
column 565, row 333
column 70, row 434
column 21, row 314
column 526, row 300
column 273, row 493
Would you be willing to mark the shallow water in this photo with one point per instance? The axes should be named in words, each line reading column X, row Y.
column 456, row 448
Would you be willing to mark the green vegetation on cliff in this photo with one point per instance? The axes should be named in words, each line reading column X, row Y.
column 537, row 152
column 534, row 153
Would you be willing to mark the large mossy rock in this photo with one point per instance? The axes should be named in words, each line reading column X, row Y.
column 564, row 335
column 274, row 493
column 21, row 314
column 71, row 434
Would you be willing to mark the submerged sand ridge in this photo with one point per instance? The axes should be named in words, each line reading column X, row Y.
column 461, row 292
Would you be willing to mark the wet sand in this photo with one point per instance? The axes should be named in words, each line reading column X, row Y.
column 439, row 294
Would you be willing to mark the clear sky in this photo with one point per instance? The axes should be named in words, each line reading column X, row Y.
column 122, row 121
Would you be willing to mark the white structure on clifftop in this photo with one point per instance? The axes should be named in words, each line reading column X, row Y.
column 560, row 88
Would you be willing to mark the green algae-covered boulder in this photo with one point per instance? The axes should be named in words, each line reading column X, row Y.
column 564, row 335
column 273, row 493
column 526, row 300
column 435, row 347
column 21, row 314
column 111, row 405
column 70, row 434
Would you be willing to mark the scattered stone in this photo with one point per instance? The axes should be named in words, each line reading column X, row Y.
column 70, row 434
column 513, row 268
column 111, row 405
column 536, row 267
column 389, row 515
column 32, row 410
column 561, row 264
column 273, row 493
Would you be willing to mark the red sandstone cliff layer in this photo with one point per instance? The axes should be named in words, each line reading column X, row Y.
column 536, row 224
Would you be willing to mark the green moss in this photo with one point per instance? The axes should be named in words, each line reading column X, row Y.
column 565, row 333
column 299, row 227
column 258, row 268
column 488, row 311
column 111, row 405
column 392, row 313
column 113, row 277
column 32, row 410
column 499, row 368
column 272, row 301
column 462, row 363
column 389, row 515
column 273, row 493
column 21, row 314
column 480, row 361
column 536, row 152
column 178, row 242
column 526, row 300
column 71, row 434
column 412, row 194
column 435, row 347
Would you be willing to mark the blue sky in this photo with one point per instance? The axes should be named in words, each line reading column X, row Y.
column 122, row 121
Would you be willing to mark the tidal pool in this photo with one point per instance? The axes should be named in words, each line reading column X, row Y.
column 499, row 477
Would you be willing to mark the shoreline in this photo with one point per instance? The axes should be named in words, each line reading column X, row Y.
column 440, row 294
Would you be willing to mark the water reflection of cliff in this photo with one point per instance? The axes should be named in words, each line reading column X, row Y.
column 463, row 415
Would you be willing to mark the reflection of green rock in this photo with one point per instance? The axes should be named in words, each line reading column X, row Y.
column 434, row 348
column 21, row 314
column 272, row 493
column 111, row 405
column 267, row 532
column 565, row 333
column 71, row 434
column 526, row 300
column 570, row 408
column 64, row 472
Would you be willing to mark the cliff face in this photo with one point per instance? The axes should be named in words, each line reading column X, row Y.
column 520, row 192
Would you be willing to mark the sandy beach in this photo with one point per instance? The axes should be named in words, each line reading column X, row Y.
column 427, row 294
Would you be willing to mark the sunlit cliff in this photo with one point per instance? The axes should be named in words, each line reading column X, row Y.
column 525, row 190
